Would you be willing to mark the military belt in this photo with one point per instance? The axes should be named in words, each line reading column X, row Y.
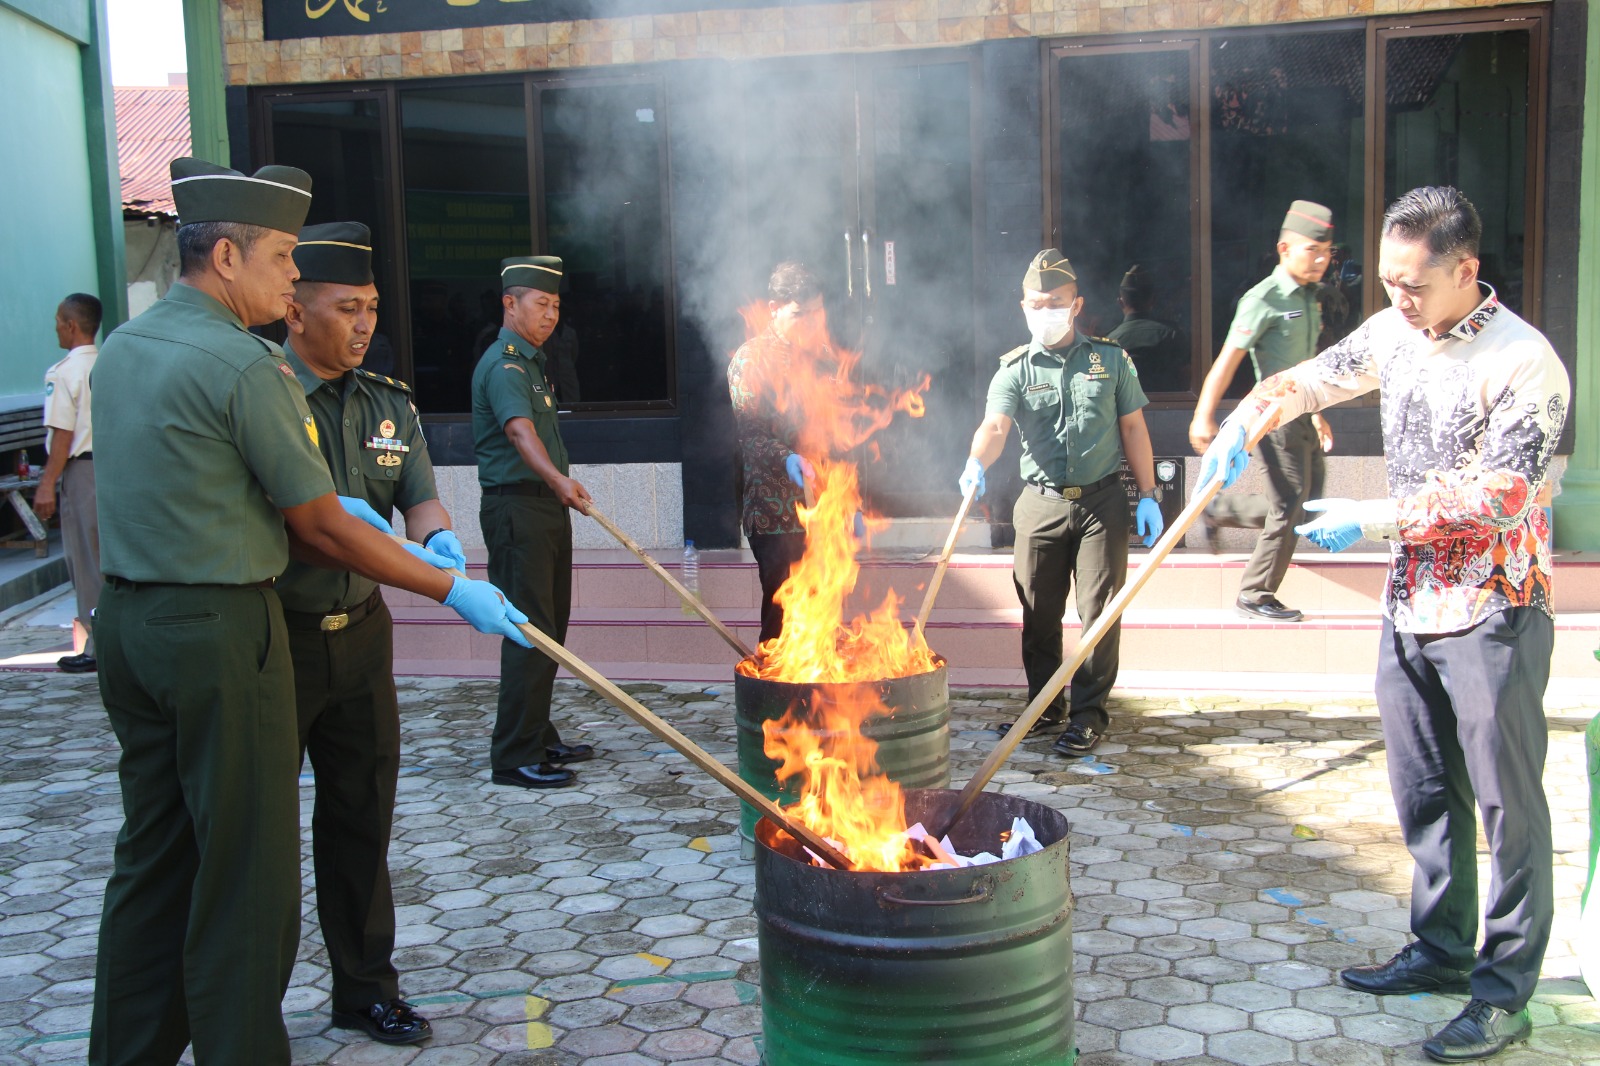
column 520, row 488
column 332, row 623
column 1072, row 492
column 125, row 585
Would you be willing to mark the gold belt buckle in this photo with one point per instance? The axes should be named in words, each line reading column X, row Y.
column 332, row 623
column 1071, row 492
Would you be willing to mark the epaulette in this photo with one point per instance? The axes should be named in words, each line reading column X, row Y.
column 1104, row 340
column 396, row 382
column 1013, row 355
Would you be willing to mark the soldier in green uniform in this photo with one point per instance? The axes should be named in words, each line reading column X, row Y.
column 207, row 452
column 1159, row 349
column 1276, row 323
column 1077, row 404
column 522, row 469
column 341, row 636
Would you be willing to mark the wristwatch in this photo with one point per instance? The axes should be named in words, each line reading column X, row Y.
column 1147, row 494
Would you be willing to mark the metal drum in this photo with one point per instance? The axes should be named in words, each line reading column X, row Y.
column 913, row 739
column 948, row 966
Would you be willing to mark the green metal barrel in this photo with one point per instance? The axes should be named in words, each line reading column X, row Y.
column 969, row 966
column 913, row 739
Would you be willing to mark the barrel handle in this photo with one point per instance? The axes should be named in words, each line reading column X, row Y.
column 984, row 891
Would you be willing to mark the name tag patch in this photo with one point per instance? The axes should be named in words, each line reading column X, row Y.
column 1293, row 314
column 1039, row 388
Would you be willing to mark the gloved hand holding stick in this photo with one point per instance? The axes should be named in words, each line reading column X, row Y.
column 682, row 744
column 1224, row 461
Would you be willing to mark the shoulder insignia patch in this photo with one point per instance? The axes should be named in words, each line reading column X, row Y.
column 511, row 349
column 1013, row 355
column 288, row 371
column 396, row 382
column 311, row 431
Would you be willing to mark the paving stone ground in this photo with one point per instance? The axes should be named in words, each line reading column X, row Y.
column 1229, row 855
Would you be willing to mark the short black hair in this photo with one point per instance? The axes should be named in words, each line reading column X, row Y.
column 84, row 310
column 1440, row 217
column 792, row 282
column 196, row 240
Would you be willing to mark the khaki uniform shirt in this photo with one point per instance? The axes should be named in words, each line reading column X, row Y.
column 1066, row 403
column 371, row 438
column 67, row 397
column 204, row 436
column 1277, row 322
column 510, row 382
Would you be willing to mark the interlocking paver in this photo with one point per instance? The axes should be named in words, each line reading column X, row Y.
column 1241, row 850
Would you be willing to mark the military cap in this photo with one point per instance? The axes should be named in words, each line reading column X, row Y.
column 1309, row 220
column 542, row 272
column 274, row 197
column 335, row 252
column 1135, row 280
column 1049, row 270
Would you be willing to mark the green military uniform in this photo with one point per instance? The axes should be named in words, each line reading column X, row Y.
column 1072, row 516
column 1158, row 349
column 529, row 536
column 202, row 436
column 341, row 638
column 1278, row 321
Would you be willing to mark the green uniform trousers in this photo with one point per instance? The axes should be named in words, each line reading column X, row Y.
column 530, row 560
column 1293, row 460
column 202, row 911
column 349, row 722
column 1061, row 543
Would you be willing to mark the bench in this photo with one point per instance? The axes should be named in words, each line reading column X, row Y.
column 21, row 428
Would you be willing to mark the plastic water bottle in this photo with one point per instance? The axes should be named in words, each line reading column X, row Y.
column 689, row 573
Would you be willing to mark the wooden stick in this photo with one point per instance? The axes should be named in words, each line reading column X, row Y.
column 685, row 747
column 694, row 602
column 944, row 563
column 1092, row 636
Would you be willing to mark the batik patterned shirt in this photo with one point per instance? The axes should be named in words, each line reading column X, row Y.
column 766, row 436
column 1471, row 418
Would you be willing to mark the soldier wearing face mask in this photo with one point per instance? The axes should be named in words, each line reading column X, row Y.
column 1077, row 403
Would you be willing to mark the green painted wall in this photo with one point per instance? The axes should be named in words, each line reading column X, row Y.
column 48, row 224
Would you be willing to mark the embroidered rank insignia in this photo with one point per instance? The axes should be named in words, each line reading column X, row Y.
column 511, row 349
column 386, row 444
column 288, row 371
column 389, row 459
column 513, row 366
column 311, row 426
column 386, row 428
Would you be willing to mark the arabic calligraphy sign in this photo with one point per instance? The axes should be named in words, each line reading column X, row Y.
column 291, row 19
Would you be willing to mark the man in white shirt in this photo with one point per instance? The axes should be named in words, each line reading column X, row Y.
column 67, row 482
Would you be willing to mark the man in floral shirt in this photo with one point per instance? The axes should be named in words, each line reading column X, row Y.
column 1473, row 403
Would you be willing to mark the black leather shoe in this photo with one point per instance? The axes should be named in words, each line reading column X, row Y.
column 77, row 664
column 390, row 1022
column 1480, row 1030
column 1042, row 728
column 545, row 775
column 1270, row 609
column 1077, row 739
column 568, row 753
column 1409, row 971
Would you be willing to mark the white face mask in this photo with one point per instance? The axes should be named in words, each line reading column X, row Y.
column 1048, row 325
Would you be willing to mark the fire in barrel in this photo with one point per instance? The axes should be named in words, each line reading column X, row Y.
column 912, row 955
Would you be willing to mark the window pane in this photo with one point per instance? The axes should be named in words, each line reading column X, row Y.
column 465, row 158
column 605, row 216
column 1286, row 125
column 1124, row 195
column 1457, row 112
column 340, row 144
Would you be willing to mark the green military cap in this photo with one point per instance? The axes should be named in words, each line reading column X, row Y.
column 1135, row 280
column 1309, row 220
column 1049, row 270
column 336, row 252
column 274, row 197
column 542, row 272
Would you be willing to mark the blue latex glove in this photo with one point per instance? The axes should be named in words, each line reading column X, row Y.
column 446, row 543
column 1337, row 529
column 486, row 608
column 359, row 508
column 1149, row 520
column 972, row 475
column 1227, row 456
column 859, row 526
column 798, row 469
column 438, row 562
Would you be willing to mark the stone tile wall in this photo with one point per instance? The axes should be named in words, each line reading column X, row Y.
column 645, row 500
column 740, row 34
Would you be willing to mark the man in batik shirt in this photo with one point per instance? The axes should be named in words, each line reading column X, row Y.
column 1473, row 403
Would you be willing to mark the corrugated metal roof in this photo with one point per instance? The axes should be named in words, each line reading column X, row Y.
column 152, row 131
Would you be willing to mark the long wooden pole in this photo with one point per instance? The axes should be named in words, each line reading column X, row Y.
column 685, row 747
column 694, row 602
column 1092, row 636
column 944, row 563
